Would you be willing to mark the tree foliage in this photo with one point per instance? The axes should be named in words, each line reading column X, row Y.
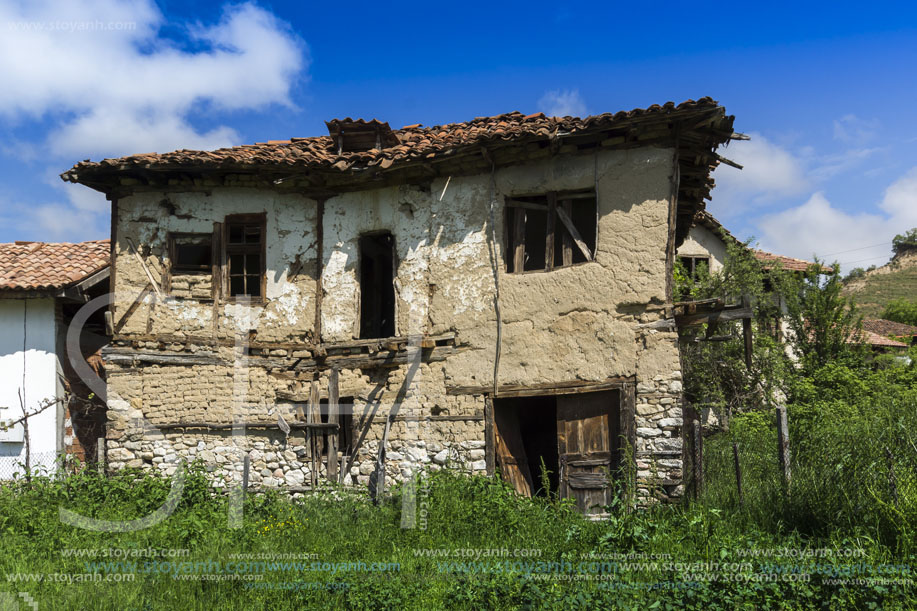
column 901, row 310
column 905, row 242
column 823, row 322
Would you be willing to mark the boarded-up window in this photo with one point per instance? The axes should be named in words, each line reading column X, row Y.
column 377, row 285
column 245, row 254
column 190, row 269
column 544, row 232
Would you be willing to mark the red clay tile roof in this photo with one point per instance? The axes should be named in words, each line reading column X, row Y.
column 874, row 339
column 788, row 263
column 32, row 266
column 415, row 143
column 884, row 327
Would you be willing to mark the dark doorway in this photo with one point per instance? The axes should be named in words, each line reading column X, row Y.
column 528, row 427
column 377, row 285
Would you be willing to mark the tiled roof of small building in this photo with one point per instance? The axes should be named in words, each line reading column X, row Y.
column 889, row 327
column 874, row 339
column 33, row 266
column 788, row 263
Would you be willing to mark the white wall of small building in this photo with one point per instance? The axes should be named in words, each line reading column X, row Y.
column 28, row 359
column 701, row 242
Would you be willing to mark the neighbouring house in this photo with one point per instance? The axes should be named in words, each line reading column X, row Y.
column 705, row 244
column 42, row 286
column 901, row 332
column 489, row 294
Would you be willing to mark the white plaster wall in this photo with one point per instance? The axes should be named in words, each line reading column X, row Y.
column 704, row 243
column 27, row 342
column 290, row 307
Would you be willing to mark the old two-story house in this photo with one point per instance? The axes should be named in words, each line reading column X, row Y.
column 489, row 294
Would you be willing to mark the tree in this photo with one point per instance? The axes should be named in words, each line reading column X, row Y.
column 905, row 242
column 823, row 322
column 901, row 310
column 715, row 373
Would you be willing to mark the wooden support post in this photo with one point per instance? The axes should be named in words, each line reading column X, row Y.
column 735, row 456
column 697, row 457
column 489, row 433
column 313, row 417
column 100, row 454
column 783, row 445
column 567, row 239
column 333, row 395
column 746, row 332
column 246, row 467
column 892, row 480
column 519, row 239
column 549, row 240
column 564, row 215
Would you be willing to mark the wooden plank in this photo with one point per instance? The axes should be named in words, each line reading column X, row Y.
column 690, row 320
column 333, row 397
column 672, row 221
column 564, row 215
column 143, row 264
column 222, row 426
column 510, row 451
column 314, row 417
column 627, row 444
column 746, row 333
column 319, row 260
column 112, row 256
column 133, row 307
column 697, row 458
column 489, row 455
column 549, row 238
column 519, row 240
column 545, row 388
column 515, row 203
column 567, row 258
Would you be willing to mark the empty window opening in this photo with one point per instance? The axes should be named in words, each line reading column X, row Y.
column 377, row 286
column 191, row 253
column 245, row 256
column 544, row 232
column 694, row 265
column 345, row 426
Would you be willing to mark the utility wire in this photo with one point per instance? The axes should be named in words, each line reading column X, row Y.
column 840, row 252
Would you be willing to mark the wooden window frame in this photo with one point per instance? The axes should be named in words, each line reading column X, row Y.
column 170, row 270
column 228, row 249
column 559, row 214
column 692, row 271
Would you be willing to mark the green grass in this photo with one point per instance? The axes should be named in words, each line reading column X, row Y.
column 779, row 549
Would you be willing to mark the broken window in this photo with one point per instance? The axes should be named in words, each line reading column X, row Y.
column 245, row 250
column 345, row 426
column 191, row 253
column 377, row 285
column 189, row 274
column 544, row 232
column 695, row 265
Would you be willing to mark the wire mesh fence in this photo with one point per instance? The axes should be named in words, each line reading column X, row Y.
column 14, row 467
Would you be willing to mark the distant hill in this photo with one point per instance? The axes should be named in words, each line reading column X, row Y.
column 896, row 279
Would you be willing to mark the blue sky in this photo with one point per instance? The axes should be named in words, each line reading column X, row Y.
column 827, row 92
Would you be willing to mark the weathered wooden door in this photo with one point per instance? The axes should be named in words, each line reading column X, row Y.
column 510, row 450
column 587, row 447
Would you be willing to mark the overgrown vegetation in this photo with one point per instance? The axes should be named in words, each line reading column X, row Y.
column 901, row 310
column 905, row 242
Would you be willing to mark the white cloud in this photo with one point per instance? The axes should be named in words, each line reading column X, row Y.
column 855, row 240
column 111, row 84
column 564, row 103
column 769, row 172
column 851, row 128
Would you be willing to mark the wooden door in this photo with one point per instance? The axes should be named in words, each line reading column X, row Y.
column 510, row 450
column 587, row 447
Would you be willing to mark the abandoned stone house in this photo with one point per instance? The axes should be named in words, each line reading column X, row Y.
column 490, row 294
